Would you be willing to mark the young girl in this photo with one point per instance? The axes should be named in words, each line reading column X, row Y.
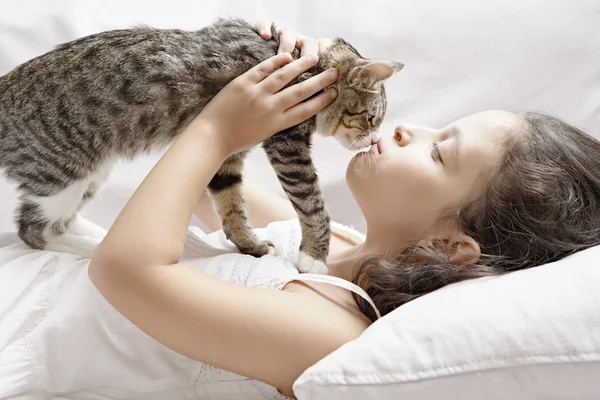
column 161, row 312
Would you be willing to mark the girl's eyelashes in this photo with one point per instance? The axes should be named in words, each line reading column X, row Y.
column 435, row 153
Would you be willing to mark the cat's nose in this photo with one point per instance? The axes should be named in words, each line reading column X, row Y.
column 375, row 137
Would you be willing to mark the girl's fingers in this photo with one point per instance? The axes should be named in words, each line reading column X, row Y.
column 303, row 90
column 264, row 28
column 279, row 79
column 307, row 45
column 287, row 40
column 304, row 111
column 267, row 67
column 324, row 44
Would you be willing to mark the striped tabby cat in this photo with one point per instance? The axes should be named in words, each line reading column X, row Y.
column 66, row 116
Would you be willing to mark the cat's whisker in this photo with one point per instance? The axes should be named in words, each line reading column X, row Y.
column 363, row 162
column 373, row 160
column 360, row 164
column 369, row 160
column 351, row 146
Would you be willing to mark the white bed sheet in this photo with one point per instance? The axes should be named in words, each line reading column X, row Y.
column 461, row 57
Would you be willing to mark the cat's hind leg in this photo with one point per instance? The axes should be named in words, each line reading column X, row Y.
column 226, row 192
column 51, row 222
column 81, row 226
column 43, row 223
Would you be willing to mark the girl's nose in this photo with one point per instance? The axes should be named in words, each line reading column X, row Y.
column 402, row 135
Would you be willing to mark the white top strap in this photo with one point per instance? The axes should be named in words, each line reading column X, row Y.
column 333, row 280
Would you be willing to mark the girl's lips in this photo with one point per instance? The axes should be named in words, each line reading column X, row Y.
column 376, row 147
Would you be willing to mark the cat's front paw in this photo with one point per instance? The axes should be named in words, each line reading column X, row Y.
column 308, row 265
column 261, row 248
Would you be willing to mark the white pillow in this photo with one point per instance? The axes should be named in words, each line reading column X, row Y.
column 532, row 334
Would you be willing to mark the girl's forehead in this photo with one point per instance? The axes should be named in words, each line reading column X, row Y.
column 487, row 127
column 490, row 119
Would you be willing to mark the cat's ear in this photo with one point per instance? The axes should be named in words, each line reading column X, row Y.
column 370, row 73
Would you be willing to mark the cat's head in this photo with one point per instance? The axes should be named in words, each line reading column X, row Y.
column 356, row 114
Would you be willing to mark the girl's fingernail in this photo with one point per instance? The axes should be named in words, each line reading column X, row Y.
column 332, row 92
column 333, row 72
column 312, row 58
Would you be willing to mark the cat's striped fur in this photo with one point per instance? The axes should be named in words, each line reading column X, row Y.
column 66, row 116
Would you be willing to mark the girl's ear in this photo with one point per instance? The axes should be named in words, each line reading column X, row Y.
column 461, row 249
column 464, row 251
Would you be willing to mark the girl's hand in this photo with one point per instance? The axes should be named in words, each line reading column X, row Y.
column 288, row 39
column 253, row 107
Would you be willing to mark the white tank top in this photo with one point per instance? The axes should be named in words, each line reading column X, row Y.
column 60, row 338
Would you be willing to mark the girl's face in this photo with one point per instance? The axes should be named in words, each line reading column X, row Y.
column 405, row 184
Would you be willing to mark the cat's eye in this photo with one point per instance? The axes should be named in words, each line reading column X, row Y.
column 373, row 120
column 435, row 153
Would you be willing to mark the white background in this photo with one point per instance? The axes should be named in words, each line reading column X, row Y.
column 461, row 57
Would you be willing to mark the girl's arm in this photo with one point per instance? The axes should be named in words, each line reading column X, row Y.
column 263, row 334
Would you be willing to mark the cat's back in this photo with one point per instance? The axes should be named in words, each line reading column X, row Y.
column 132, row 83
column 78, row 58
column 218, row 52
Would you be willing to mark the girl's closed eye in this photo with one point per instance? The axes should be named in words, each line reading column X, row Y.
column 435, row 153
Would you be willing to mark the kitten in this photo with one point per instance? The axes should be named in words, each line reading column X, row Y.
column 66, row 116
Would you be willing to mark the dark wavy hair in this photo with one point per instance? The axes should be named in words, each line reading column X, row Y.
column 540, row 205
